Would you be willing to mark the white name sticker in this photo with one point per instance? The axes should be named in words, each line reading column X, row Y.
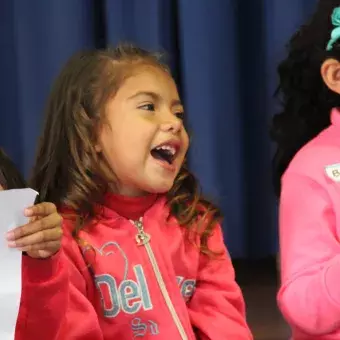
column 333, row 172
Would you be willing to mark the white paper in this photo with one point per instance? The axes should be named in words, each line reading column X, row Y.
column 12, row 206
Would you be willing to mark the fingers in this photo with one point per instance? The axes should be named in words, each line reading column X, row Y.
column 41, row 209
column 49, row 222
column 41, row 237
column 53, row 245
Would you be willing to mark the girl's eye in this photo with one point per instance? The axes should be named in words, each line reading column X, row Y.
column 147, row 107
column 179, row 114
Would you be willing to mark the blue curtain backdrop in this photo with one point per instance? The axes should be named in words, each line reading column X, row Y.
column 223, row 54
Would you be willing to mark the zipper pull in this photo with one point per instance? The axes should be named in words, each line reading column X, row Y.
column 142, row 237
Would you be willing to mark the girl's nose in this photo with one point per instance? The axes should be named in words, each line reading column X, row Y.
column 173, row 125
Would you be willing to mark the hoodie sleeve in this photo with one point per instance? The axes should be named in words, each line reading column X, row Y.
column 309, row 296
column 54, row 303
column 217, row 309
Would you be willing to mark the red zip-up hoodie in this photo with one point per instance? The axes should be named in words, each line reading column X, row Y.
column 140, row 278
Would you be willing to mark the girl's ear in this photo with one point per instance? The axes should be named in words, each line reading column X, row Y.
column 330, row 72
column 98, row 148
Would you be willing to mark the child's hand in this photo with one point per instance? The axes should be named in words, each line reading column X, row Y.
column 41, row 237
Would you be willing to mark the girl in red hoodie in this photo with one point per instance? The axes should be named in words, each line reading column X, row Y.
column 143, row 254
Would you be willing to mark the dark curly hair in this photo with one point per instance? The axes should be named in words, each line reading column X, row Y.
column 10, row 177
column 69, row 172
column 305, row 98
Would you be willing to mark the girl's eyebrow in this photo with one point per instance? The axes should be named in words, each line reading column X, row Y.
column 155, row 97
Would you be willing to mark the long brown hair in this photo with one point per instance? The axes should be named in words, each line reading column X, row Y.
column 68, row 170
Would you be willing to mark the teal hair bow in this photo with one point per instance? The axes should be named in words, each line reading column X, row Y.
column 335, row 35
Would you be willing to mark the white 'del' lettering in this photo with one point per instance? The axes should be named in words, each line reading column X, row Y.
column 129, row 296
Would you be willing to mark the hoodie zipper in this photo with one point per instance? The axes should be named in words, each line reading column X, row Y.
column 143, row 239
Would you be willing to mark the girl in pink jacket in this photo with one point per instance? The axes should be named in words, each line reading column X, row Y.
column 307, row 177
column 143, row 254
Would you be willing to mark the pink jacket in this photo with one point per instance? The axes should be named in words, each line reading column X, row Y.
column 145, row 281
column 309, row 297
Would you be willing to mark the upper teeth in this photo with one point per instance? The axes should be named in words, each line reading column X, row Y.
column 171, row 149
